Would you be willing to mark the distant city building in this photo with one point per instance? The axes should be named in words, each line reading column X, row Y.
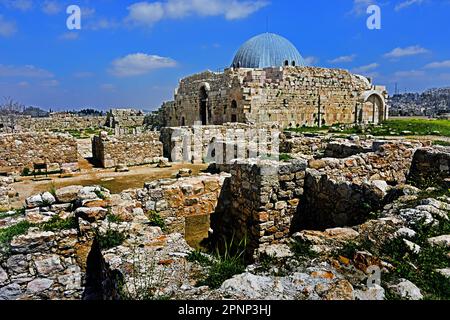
column 431, row 103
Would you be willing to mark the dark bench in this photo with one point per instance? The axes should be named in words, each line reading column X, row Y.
column 39, row 167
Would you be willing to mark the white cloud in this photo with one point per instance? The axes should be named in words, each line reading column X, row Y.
column 343, row 59
column 360, row 6
column 7, row 28
column 139, row 64
column 22, row 5
column 51, row 7
column 406, row 4
column 148, row 13
column 366, row 68
column 311, row 60
column 102, row 24
column 27, row 71
column 405, row 52
column 438, row 65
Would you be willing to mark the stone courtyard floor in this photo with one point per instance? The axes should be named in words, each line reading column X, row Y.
column 114, row 181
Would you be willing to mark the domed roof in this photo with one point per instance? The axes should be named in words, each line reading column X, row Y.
column 267, row 50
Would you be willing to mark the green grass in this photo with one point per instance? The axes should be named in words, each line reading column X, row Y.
column 285, row 157
column 419, row 268
column 17, row 213
column 421, row 127
column 156, row 220
column 303, row 250
column 200, row 257
column 114, row 219
column 226, row 263
column 308, row 129
column 57, row 224
column 7, row 234
column 441, row 143
column 111, row 239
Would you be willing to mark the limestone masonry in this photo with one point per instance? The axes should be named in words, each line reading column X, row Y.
column 129, row 150
column 23, row 150
column 289, row 96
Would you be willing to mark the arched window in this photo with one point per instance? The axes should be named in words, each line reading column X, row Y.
column 183, row 122
column 293, row 63
column 233, row 104
column 203, row 105
column 286, row 63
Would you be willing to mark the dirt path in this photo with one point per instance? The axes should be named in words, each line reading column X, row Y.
column 116, row 182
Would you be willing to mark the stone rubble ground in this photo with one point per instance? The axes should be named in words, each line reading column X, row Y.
column 55, row 264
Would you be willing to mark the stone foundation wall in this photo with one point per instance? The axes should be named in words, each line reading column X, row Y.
column 307, row 146
column 185, row 204
column 22, row 150
column 28, row 124
column 263, row 198
column 390, row 162
column 129, row 150
column 342, row 192
column 210, row 143
column 430, row 167
column 345, row 149
column 6, row 192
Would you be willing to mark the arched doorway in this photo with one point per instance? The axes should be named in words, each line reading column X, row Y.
column 203, row 105
column 377, row 108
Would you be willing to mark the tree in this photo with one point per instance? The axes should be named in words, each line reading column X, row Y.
column 10, row 109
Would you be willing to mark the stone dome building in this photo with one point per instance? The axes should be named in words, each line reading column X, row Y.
column 268, row 82
column 267, row 50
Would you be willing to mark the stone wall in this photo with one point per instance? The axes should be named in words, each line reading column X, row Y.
column 6, row 192
column 57, row 123
column 129, row 150
column 431, row 167
column 260, row 201
column 219, row 143
column 289, row 96
column 185, row 204
column 125, row 118
column 342, row 192
column 22, row 150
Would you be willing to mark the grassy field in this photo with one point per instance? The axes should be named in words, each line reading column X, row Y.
column 422, row 127
column 397, row 127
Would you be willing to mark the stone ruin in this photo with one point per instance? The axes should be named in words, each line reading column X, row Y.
column 128, row 150
column 22, row 150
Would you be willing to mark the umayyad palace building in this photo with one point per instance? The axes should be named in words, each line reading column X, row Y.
column 270, row 82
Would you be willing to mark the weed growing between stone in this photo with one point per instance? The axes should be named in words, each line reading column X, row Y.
column 303, row 250
column 57, row 224
column 114, row 219
column 144, row 278
column 7, row 234
column 156, row 220
column 224, row 264
column 112, row 238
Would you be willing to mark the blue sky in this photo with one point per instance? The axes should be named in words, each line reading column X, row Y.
column 132, row 53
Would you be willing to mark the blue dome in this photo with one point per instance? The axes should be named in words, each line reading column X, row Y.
column 267, row 50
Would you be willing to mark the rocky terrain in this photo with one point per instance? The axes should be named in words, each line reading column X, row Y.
column 85, row 243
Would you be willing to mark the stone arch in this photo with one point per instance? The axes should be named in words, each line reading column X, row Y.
column 373, row 108
column 203, row 103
